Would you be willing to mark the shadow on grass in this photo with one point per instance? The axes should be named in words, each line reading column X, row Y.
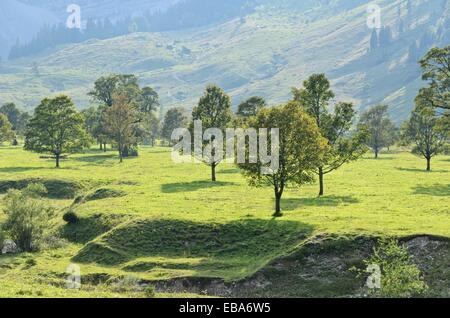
column 437, row 190
column 21, row 169
column 420, row 170
column 230, row 171
column 242, row 242
column 193, row 186
column 326, row 201
column 96, row 159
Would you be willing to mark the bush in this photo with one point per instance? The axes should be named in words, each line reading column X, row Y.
column 27, row 216
column 150, row 291
column 71, row 217
column 400, row 277
column 126, row 284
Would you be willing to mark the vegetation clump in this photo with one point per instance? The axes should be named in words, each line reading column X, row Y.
column 28, row 217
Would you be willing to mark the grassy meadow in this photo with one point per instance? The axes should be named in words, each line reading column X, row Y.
column 155, row 220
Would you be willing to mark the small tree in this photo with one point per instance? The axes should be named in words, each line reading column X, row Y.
column 120, row 123
column 344, row 147
column 425, row 130
column 56, row 128
column 214, row 110
column 399, row 276
column 378, row 125
column 6, row 133
column 301, row 150
column 28, row 217
column 174, row 118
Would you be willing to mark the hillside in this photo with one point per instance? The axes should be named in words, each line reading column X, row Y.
column 265, row 53
column 166, row 224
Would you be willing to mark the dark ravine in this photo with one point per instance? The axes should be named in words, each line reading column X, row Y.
column 321, row 268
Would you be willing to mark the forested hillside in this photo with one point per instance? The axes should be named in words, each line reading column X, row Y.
column 249, row 48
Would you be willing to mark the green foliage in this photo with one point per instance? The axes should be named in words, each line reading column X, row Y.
column 301, row 149
column 150, row 291
column 435, row 66
column 344, row 147
column 6, row 132
column 28, row 217
column 424, row 129
column 214, row 111
column 17, row 118
column 174, row 118
column 400, row 277
column 56, row 128
column 251, row 106
column 378, row 126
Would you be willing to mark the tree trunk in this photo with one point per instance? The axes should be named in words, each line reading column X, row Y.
column 428, row 164
column 213, row 172
column 104, row 147
column 321, row 192
column 277, row 204
column 57, row 160
column 376, row 153
column 101, row 146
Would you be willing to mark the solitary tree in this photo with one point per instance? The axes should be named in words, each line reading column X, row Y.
column 120, row 122
column 377, row 124
column 214, row 111
column 56, row 128
column 6, row 133
column 436, row 70
column 343, row 147
column 424, row 129
column 174, row 118
column 251, row 106
column 301, row 150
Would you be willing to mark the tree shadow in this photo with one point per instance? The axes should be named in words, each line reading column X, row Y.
column 230, row 171
column 437, row 190
column 420, row 170
column 239, row 241
column 96, row 159
column 326, row 201
column 193, row 186
column 21, row 169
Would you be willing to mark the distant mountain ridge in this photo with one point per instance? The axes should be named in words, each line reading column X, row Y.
column 263, row 53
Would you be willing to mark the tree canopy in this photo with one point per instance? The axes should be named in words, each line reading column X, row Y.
column 301, row 149
column 56, row 128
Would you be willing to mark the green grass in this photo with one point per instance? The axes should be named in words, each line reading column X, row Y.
column 156, row 220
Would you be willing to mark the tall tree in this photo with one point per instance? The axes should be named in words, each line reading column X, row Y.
column 214, row 111
column 436, row 69
column 174, row 118
column 301, row 150
column 425, row 130
column 56, row 128
column 251, row 106
column 376, row 122
column 6, row 133
column 120, row 122
column 343, row 147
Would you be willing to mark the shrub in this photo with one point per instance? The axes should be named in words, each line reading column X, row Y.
column 399, row 276
column 71, row 217
column 27, row 216
column 126, row 284
column 150, row 291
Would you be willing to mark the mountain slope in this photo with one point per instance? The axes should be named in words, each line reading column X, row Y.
column 19, row 20
column 265, row 53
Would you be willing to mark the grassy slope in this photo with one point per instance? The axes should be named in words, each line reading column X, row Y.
column 173, row 222
column 275, row 49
